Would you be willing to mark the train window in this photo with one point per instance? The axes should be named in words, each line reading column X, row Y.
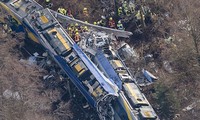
column 54, row 33
column 44, row 19
column 71, row 58
column 78, row 67
column 65, row 53
column 138, row 99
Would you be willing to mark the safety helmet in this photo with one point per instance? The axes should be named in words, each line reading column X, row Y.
column 110, row 18
column 95, row 23
column 85, row 27
column 98, row 22
column 69, row 28
column 86, row 21
column 125, row 2
column 76, row 30
column 76, row 33
column 119, row 22
column 76, row 24
column 84, row 8
column 120, row 8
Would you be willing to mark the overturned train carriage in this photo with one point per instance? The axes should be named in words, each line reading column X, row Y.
column 131, row 103
column 42, row 27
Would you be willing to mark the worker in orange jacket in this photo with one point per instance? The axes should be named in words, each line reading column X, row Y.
column 111, row 23
column 77, row 37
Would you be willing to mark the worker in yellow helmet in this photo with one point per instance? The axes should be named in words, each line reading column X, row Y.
column 125, row 4
column 76, row 25
column 77, row 37
column 120, row 11
column 95, row 23
column 85, row 12
column 85, row 29
column 76, row 30
column 138, row 15
column 48, row 3
column 111, row 23
column 59, row 10
column 69, row 29
column 120, row 25
column 62, row 11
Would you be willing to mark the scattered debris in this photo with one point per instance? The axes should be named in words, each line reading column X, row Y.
column 167, row 67
column 150, row 77
column 10, row 94
column 126, row 52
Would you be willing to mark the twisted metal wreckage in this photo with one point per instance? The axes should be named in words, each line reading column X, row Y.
column 92, row 65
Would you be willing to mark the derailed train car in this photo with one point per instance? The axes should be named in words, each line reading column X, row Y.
column 131, row 103
column 42, row 27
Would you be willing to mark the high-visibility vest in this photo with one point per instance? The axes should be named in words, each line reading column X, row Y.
column 138, row 15
column 64, row 11
column 124, row 5
column 120, row 26
column 119, row 12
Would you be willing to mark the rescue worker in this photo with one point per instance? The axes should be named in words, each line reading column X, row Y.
column 98, row 23
column 85, row 12
column 6, row 28
column 103, row 21
column 140, row 18
column 126, row 11
column 48, row 3
column 124, row 4
column 77, row 37
column 85, row 29
column 72, row 26
column 76, row 25
column 70, row 31
column 76, row 30
column 111, row 23
column 138, row 15
column 69, row 13
column 62, row 11
column 132, row 7
column 120, row 25
column 120, row 12
column 148, row 18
